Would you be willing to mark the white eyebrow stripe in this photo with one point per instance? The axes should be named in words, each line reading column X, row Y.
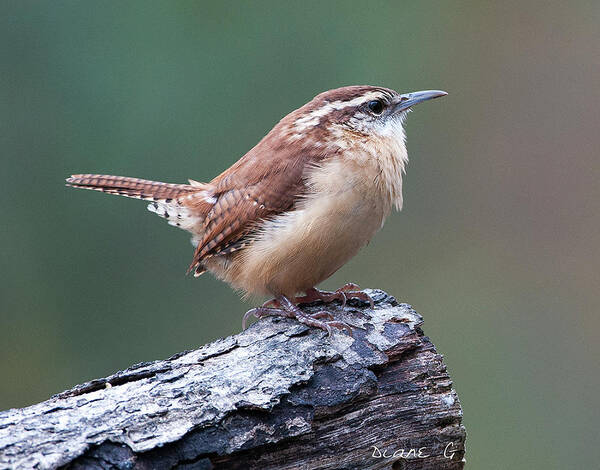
column 312, row 119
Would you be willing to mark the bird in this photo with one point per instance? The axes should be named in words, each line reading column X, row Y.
column 297, row 206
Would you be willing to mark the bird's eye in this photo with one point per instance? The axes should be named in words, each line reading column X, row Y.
column 376, row 106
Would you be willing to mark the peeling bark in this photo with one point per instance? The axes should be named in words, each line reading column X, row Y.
column 276, row 396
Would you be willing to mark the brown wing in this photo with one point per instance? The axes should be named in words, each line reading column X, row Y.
column 257, row 187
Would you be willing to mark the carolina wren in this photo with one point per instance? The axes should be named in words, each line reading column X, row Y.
column 298, row 205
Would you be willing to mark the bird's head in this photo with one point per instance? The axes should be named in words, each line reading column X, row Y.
column 362, row 111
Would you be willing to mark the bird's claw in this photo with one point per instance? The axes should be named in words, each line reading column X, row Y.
column 347, row 291
column 322, row 319
column 315, row 321
column 260, row 312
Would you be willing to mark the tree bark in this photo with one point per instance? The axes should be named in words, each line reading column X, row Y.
column 276, row 396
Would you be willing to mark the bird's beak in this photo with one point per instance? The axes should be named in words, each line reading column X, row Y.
column 410, row 99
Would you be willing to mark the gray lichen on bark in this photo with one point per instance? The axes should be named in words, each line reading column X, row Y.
column 276, row 396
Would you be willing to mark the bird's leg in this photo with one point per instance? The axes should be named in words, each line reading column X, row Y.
column 347, row 291
column 322, row 320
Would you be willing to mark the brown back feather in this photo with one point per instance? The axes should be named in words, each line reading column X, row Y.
column 266, row 182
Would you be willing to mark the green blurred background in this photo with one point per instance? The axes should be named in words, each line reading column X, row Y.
column 497, row 247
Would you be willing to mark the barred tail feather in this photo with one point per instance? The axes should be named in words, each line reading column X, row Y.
column 183, row 205
column 132, row 187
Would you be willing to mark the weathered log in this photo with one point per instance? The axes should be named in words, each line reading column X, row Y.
column 276, row 396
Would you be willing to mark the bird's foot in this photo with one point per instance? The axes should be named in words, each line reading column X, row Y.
column 273, row 303
column 285, row 308
column 347, row 291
